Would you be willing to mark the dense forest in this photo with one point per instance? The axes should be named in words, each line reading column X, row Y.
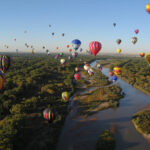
column 32, row 84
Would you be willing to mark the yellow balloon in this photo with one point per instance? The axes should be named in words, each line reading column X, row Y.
column 119, row 50
column 117, row 70
column 147, row 57
column 148, row 8
column 65, row 96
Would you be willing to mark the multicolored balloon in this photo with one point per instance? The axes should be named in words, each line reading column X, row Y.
column 117, row 70
column 142, row 54
column 77, row 69
column 49, row 115
column 134, row 40
column 65, row 96
column 148, row 8
column 118, row 41
column 76, row 44
column 91, row 71
column 4, row 63
column 95, row 47
column 87, row 67
column 136, row 31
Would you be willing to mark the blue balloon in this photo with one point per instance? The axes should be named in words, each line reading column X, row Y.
column 76, row 44
column 114, row 78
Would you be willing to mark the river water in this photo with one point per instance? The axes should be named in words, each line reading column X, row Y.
column 82, row 134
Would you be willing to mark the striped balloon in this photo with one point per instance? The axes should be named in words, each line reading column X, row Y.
column 49, row 114
column 4, row 63
column 95, row 47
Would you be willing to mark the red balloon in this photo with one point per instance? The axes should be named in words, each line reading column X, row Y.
column 67, row 46
column 111, row 74
column 95, row 47
column 77, row 76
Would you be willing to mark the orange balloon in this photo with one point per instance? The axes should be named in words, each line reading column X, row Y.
column 148, row 8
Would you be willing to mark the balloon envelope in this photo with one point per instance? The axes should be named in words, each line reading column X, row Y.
column 142, row 54
column 148, row 8
column 65, row 96
column 76, row 44
column 49, row 114
column 95, row 47
column 1, row 81
column 77, row 76
column 118, row 50
column 147, row 57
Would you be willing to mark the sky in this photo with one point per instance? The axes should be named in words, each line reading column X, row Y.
column 86, row 20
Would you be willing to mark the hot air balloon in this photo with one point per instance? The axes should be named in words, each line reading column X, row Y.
column 25, row 31
column 76, row 44
column 118, row 41
column 77, row 76
column 63, row 61
column 14, row 39
column 77, row 69
column 147, row 57
column 43, row 47
column 81, row 49
column 86, row 67
column 136, row 31
column 148, row 8
column 74, row 54
column 49, row 115
column 1, row 81
column 134, row 40
column 67, row 46
column 118, row 50
column 69, row 57
column 111, row 74
column 57, row 56
column 99, row 66
column 57, row 47
column 53, row 33
column 117, row 70
column 65, row 96
column 70, row 50
column 95, row 47
column 32, row 51
column 62, row 34
column 61, row 54
column 49, row 25
column 91, row 71
column 114, row 78
column 114, row 24
column 4, row 63
column 47, row 51
column 142, row 54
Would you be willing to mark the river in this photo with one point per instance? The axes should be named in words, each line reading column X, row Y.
column 82, row 134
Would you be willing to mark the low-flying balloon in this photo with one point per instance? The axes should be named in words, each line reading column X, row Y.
column 114, row 24
column 62, row 34
column 114, row 78
column 1, row 81
column 49, row 115
column 65, row 96
column 63, row 61
column 147, row 57
column 4, row 63
column 87, row 67
column 111, row 74
column 70, row 50
column 77, row 76
column 91, row 71
column 95, row 47
column 117, row 70
column 67, row 46
column 74, row 54
column 99, row 66
column 77, row 69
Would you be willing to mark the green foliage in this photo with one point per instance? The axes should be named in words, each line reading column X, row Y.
column 106, row 141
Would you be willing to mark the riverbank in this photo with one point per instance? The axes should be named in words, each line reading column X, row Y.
column 102, row 95
column 141, row 121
